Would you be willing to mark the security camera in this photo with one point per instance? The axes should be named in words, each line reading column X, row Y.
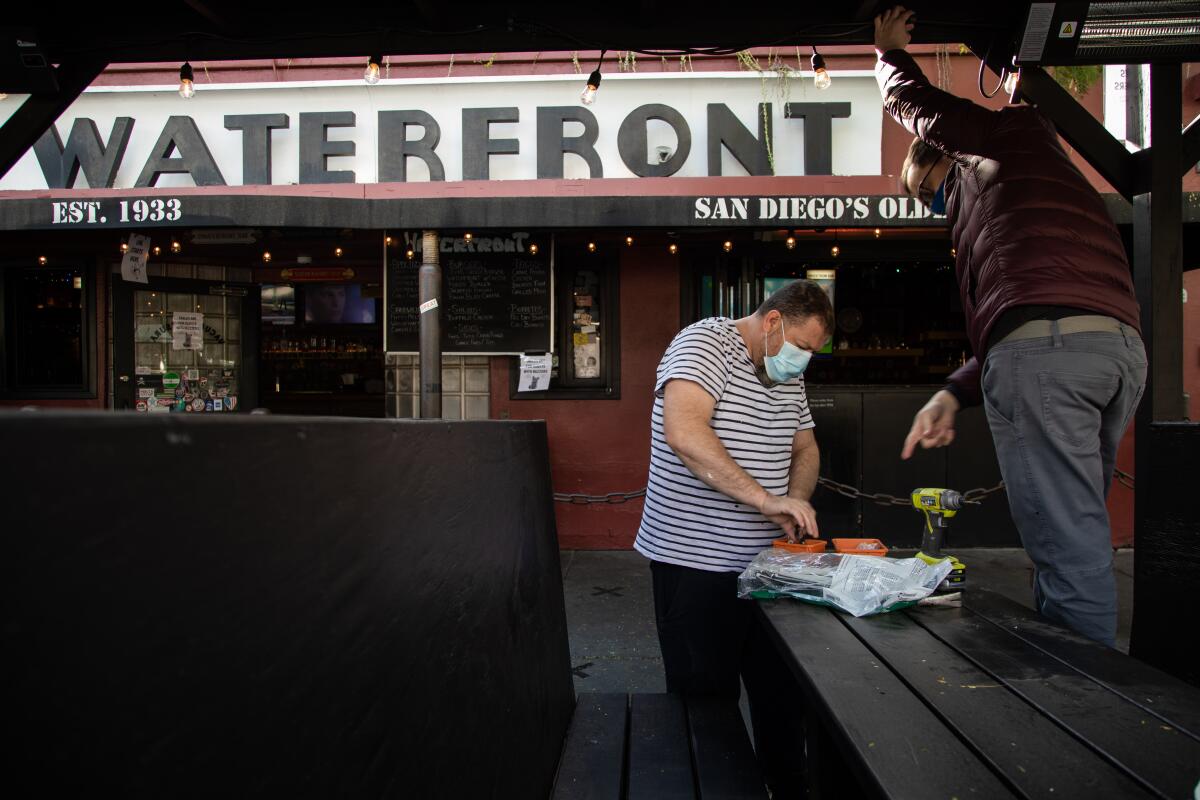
column 664, row 153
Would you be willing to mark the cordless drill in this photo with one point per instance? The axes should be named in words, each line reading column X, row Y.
column 939, row 505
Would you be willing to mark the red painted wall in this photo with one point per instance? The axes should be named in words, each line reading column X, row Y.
column 602, row 446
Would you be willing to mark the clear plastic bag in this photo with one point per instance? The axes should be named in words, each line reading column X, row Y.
column 859, row 585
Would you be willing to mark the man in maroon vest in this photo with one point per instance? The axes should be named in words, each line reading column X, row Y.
column 1051, row 315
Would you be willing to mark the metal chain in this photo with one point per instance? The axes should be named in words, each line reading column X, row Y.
column 972, row 496
column 612, row 498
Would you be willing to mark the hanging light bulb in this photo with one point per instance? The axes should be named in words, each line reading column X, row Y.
column 468, row 236
column 266, row 256
column 187, row 84
column 371, row 73
column 175, row 246
column 1012, row 81
column 954, row 252
column 337, row 251
column 790, row 241
column 821, row 77
column 124, row 247
column 629, row 241
column 387, row 240
column 409, row 254
column 835, row 251
column 533, row 249
column 673, row 248
column 588, row 96
column 878, row 233
column 591, row 247
column 727, row 246
column 42, row 260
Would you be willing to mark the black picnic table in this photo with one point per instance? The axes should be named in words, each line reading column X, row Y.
column 987, row 700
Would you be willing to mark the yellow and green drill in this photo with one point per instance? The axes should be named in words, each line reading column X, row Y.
column 939, row 505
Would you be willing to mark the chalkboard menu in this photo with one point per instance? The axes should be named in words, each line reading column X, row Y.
column 496, row 303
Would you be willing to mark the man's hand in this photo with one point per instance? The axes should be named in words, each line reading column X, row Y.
column 893, row 29
column 933, row 426
column 796, row 517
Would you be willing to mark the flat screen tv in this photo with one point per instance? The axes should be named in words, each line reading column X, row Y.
column 278, row 304
column 338, row 304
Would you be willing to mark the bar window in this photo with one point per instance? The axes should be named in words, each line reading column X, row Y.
column 586, row 359
column 47, row 346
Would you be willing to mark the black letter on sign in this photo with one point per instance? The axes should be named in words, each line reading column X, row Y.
column 631, row 141
column 181, row 135
column 256, row 143
column 551, row 144
column 395, row 148
column 818, row 133
column 476, row 144
column 84, row 149
column 726, row 129
column 316, row 149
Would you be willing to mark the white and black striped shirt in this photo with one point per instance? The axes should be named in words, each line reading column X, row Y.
column 684, row 521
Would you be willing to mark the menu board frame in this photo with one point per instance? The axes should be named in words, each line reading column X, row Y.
column 446, row 307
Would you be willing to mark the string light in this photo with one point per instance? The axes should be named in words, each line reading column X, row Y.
column 187, row 83
column 790, row 241
column 878, row 233
column 673, row 248
column 124, row 247
column 42, row 260
column 409, row 254
column 629, row 241
column 175, row 246
column 371, row 74
column 591, row 247
column 954, row 252
column 157, row 250
column 266, row 256
column 588, row 96
column 728, row 246
column 468, row 236
column 533, row 249
column 337, row 251
column 835, row 251
column 821, row 78
column 387, row 240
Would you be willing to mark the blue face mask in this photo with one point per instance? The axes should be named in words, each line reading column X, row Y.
column 790, row 362
column 938, row 204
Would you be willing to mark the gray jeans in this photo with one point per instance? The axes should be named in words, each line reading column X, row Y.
column 1058, row 407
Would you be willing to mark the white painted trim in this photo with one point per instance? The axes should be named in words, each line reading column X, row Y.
column 484, row 79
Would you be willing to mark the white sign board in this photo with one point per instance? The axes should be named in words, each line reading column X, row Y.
column 187, row 330
column 133, row 263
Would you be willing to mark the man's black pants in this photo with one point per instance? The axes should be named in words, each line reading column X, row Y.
column 710, row 639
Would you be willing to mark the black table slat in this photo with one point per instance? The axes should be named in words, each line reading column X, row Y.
column 904, row 749
column 1010, row 733
column 1175, row 701
column 593, row 756
column 726, row 768
column 660, row 758
column 1160, row 755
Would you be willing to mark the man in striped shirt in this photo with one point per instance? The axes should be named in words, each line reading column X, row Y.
column 733, row 462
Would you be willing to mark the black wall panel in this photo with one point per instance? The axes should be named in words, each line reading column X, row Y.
column 274, row 607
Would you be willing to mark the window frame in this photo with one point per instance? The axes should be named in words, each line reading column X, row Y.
column 87, row 388
column 608, row 264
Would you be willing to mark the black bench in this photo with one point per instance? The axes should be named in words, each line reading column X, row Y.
column 656, row 747
column 989, row 700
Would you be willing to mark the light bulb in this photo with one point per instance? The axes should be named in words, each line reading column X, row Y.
column 175, row 246
column 821, row 77
column 878, row 233
column 266, row 256
column 187, row 85
column 387, row 240
column 124, row 247
column 727, row 246
column 629, row 241
column 790, row 242
column 673, row 248
column 588, row 96
column 835, row 251
column 409, row 254
column 337, row 251
column 533, row 249
column 468, row 236
column 591, row 247
column 42, row 260
column 1011, row 82
column 371, row 73
column 157, row 250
